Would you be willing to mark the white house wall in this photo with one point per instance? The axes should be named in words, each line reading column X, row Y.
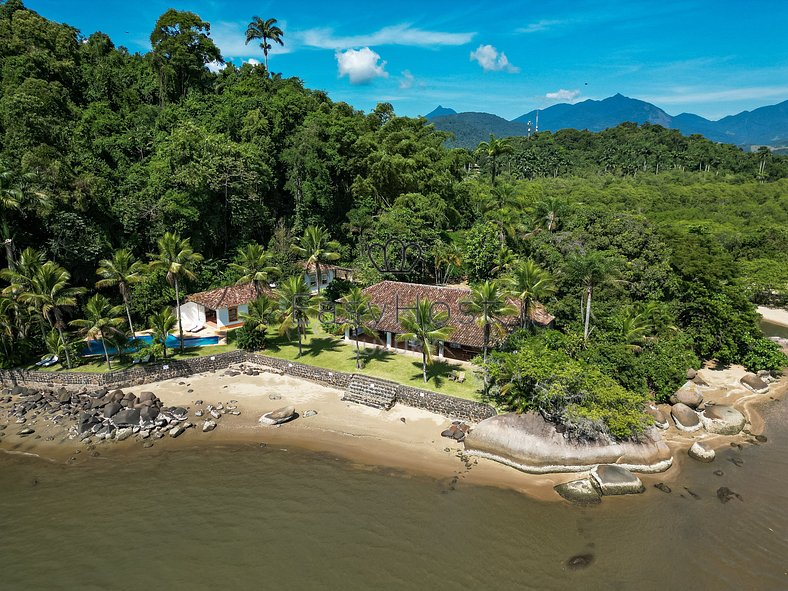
column 192, row 314
column 223, row 315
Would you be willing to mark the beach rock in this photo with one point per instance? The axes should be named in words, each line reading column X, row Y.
column 147, row 444
column 216, row 414
column 615, row 480
column 179, row 413
column 149, row 413
column 724, row 494
column 26, row 431
column 581, row 492
column 86, row 422
column 124, row 433
column 686, row 419
column 309, row 413
column 208, row 426
column 663, row 487
column 754, row 383
column 198, row 413
column 660, row 420
column 722, row 420
column 111, row 409
column 177, row 431
column 278, row 416
column 126, row 418
column 687, row 394
column 691, row 373
column 700, row 452
column 63, row 396
column 274, row 397
column 530, row 443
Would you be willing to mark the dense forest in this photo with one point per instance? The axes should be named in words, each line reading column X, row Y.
column 103, row 150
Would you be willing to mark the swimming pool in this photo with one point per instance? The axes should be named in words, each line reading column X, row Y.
column 95, row 348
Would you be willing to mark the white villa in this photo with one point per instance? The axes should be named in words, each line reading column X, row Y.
column 220, row 309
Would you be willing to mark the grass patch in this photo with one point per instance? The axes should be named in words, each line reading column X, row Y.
column 325, row 350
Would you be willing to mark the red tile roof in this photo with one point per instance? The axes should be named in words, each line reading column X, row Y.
column 225, row 297
column 388, row 295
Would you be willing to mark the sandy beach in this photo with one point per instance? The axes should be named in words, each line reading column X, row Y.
column 404, row 439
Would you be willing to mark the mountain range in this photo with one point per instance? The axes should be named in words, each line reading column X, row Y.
column 765, row 126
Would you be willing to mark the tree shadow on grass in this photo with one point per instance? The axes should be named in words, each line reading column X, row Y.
column 375, row 354
column 320, row 345
column 437, row 372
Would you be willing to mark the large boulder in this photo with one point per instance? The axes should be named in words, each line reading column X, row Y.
column 530, row 443
column 722, row 419
column 701, row 452
column 616, row 480
column 688, row 394
column 686, row 419
column 581, row 492
column 280, row 415
column 111, row 409
column 754, row 383
column 660, row 420
column 129, row 417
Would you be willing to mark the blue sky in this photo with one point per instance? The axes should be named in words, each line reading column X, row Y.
column 712, row 58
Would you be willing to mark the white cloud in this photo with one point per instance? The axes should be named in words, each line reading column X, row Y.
column 253, row 62
column 491, row 60
column 692, row 95
column 229, row 37
column 407, row 80
column 215, row 66
column 542, row 25
column 360, row 65
column 568, row 96
column 403, row 34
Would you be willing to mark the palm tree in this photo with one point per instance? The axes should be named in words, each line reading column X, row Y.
column 296, row 304
column 253, row 263
column 530, row 284
column 421, row 324
column 20, row 279
column 13, row 192
column 260, row 314
column 122, row 270
column 449, row 255
column 488, row 303
column 178, row 259
column 316, row 247
column 267, row 31
column 358, row 313
column 162, row 323
column 591, row 270
column 548, row 212
column 503, row 208
column 102, row 320
column 493, row 149
column 50, row 294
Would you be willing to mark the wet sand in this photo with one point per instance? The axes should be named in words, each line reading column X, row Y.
column 365, row 436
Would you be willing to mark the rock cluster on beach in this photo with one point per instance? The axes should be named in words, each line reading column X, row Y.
column 103, row 415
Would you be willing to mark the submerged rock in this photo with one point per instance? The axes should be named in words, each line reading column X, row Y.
column 724, row 494
column 700, row 452
column 686, row 419
column 581, row 492
column 722, row 419
column 615, row 480
column 530, row 443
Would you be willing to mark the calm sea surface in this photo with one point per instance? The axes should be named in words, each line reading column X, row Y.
column 252, row 518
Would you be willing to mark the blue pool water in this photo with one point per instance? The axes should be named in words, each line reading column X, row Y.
column 95, row 348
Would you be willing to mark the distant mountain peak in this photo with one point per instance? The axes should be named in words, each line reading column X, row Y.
column 440, row 111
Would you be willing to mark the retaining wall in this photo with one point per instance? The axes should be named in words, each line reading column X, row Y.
column 449, row 406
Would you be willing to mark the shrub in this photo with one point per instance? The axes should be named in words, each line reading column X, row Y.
column 249, row 339
column 763, row 354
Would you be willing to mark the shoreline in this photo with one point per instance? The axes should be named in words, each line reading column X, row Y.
column 778, row 316
column 404, row 439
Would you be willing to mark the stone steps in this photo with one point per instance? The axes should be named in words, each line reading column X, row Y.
column 371, row 392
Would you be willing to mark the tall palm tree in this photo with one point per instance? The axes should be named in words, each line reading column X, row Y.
column 162, row 323
column 548, row 212
column 494, row 149
column 20, row 279
column 296, row 304
column 267, row 31
column 316, row 247
column 530, row 284
column 102, row 320
column 253, row 262
column 591, row 271
column 260, row 314
column 503, row 208
column 449, row 255
column 357, row 311
column 51, row 295
column 14, row 191
column 488, row 304
column 422, row 324
column 178, row 259
column 122, row 270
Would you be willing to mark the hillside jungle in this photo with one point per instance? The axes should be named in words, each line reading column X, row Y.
column 651, row 249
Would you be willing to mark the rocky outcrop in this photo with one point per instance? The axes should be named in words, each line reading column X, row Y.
column 685, row 418
column 531, row 444
column 754, row 383
column 616, row 480
column 581, row 492
column 701, row 452
column 722, row 420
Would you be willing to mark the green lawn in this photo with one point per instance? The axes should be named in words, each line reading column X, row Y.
column 325, row 350
column 97, row 364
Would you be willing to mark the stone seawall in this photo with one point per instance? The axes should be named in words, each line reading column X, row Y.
column 449, row 406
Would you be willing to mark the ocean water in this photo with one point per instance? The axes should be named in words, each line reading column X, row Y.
column 249, row 517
